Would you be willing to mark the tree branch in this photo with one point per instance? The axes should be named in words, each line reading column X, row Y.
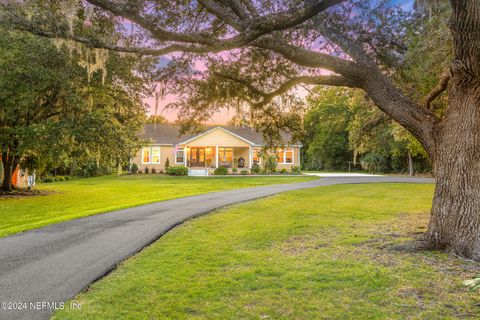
column 197, row 42
column 313, row 59
column 250, row 7
column 331, row 80
column 370, row 125
column 418, row 120
column 250, row 29
column 96, row 43
column 222, row 13
column 439, row 88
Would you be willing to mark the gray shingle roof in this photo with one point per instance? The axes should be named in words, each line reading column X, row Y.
column 170, row 133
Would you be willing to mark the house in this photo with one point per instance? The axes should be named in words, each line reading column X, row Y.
column 228, row 146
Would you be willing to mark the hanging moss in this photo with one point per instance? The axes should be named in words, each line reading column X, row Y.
column 91, row 59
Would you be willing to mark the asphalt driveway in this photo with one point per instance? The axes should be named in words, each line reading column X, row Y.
column 52, row 264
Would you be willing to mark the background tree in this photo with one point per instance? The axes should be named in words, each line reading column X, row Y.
column 56, row 114
column 30, row 89
column 156, row 119
column 342, row 125
column 361, row 47
column 326, row 144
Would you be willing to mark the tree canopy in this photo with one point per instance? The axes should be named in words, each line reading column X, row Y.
column 54, row 114
column 268, row 48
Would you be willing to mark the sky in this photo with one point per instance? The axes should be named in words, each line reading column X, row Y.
column 225, row 115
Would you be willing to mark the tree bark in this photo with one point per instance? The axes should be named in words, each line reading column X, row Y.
column 455, row 216
column 410, row 164
column 8, row 172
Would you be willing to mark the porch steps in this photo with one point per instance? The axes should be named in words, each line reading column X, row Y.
column 198, row 172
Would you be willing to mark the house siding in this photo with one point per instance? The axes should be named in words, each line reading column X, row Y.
column 218, row 137
column 165, row 152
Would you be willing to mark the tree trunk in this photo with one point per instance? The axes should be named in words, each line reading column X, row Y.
column 455, row 220
column 410, row 164
column 455, row 216
column 8, row 172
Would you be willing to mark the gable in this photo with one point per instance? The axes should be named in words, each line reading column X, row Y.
column 169, row 134
column 218, row 137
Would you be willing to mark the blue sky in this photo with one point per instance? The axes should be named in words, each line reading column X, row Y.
column 405, row 4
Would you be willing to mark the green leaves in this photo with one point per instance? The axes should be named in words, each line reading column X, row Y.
column 342, row 125
column 56, row 115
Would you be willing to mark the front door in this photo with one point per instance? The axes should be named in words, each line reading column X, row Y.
column 197, row 157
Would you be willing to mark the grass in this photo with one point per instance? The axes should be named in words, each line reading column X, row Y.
column 83, row 197
column 322, row 253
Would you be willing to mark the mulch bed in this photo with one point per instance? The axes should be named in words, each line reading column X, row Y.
column 24, row 193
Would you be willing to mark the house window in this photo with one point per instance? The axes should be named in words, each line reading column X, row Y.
column 146, row 155
column 151, row 155
column 225, row 154
column 280, row 155
column 180, row 156
column 155, row 155
column 288, row 156
column 284, row 156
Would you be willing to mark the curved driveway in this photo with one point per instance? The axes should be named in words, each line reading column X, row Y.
column 54, row 263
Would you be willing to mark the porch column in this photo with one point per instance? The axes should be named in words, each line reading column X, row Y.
column 216, row 156
column 250, row 157
column 184, row 155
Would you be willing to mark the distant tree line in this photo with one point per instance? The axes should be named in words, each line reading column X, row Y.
column 343, row 130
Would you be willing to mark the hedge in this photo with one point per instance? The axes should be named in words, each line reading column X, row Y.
column 177, row 171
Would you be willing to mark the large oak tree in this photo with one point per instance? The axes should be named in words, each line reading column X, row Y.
column 293, row 33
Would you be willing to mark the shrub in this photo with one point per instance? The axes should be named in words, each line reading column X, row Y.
column 373, row 162
column 167, row 163
column 48, row 179
column 146, row 170
column 220, row 171
column 256, row 168
column 134, row 168
column 244, row 172
column 295, row 169
column 270, row 164
column 177, row 171
column 154, row 170
column 234, row 170
column 283, row 171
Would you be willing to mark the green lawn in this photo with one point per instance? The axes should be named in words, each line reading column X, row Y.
column 322, row 253
column 84, row 197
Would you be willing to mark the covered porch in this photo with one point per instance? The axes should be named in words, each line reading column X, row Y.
column 214, row 156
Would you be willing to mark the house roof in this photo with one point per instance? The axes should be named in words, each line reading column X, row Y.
column 170, row 133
